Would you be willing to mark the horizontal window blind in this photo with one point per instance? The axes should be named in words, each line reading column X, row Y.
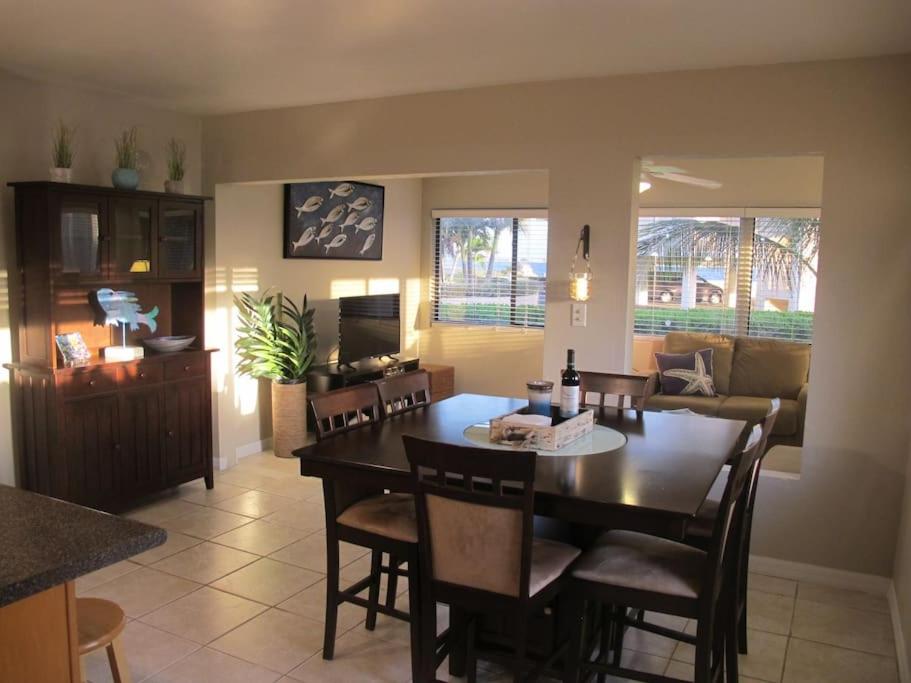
column 490, row 268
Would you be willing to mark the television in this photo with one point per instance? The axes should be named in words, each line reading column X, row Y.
column 368, row 326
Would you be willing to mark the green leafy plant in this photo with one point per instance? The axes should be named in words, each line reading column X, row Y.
column 276, row 339
column 63, row 146
column 127, row 147
column 177, row 157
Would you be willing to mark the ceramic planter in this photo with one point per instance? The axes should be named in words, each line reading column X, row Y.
column 62, row 175
column 125, row 178
column 289, row 417
column 173, row 186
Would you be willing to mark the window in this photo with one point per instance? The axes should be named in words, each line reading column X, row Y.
column 490, row 267
column 751, row 272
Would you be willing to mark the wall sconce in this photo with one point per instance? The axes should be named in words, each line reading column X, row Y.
column 580, row 277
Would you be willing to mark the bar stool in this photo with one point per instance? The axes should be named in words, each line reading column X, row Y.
column 100, row 623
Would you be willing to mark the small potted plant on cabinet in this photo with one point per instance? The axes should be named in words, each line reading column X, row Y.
column 177, row 156
column 62, row 171
column 276, row 341
column 126, row 173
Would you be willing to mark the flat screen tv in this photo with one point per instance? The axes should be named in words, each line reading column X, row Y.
column 368, row 326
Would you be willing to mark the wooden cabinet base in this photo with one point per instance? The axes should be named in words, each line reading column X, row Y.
column 40, row 640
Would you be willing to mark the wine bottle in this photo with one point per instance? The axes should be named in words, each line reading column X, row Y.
column 569, row 387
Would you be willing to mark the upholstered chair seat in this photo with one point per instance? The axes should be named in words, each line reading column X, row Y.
column 391, row 515
column 549, row 559
column 627, row 559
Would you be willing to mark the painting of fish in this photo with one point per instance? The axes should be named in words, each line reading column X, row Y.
column 319, row 217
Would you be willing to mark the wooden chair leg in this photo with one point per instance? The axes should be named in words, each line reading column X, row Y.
column 332, row 579
column 428, row 626
column 373, row 596
column 415, row 624
column 471, row 655
column 619, row 629
column 457, row 623
column 120, row 670
column 742, row 624
column 703, row 666
column 575, row 606
column 607, row 638
column 392, row 583
column 521, row 638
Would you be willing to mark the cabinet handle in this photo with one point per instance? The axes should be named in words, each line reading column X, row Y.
column 142, row 375
column 170, row 435
column 91, row 382
column 186, row 368
column 116, row 446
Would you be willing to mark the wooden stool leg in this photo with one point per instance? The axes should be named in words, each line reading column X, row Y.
column 373, row 595
column 120, row 670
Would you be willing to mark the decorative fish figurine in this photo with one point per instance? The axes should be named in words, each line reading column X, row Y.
column 360, row 204
column 116, row 308
column 325, row 232
column 351, row 220
column 368, row 242
column 305, row 238
column 341, row 190
column 309, row 206
column 336, row 242
column 336, row 213
column 367, row 224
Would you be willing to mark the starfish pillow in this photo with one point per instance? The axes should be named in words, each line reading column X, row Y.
column 686, row 374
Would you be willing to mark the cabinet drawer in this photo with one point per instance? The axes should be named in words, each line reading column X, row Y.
column 140, row 374
column 188, row 366
column 86, row 382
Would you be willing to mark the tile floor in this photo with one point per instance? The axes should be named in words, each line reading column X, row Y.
column 236, row 595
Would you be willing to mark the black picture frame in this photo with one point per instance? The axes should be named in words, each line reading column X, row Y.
column 316, row 206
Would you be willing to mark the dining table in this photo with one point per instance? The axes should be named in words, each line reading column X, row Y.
column 653, row 479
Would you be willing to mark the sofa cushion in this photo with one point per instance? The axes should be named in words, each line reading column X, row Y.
column 769, row 368
column 753, row 409
column 722, row 356
column 705, row 405
column 687, row 374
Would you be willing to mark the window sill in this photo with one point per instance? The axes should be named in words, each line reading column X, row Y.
column 443, row 324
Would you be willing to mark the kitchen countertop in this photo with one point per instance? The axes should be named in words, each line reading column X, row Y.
column 45, row 542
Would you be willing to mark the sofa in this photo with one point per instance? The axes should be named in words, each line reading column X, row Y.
column 747, row 372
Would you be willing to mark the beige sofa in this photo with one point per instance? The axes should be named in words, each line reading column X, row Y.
column 748, row 372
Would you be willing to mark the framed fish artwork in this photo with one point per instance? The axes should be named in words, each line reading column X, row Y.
column 334, row 220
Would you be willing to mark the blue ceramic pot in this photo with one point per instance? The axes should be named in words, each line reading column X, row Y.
column 125, row 178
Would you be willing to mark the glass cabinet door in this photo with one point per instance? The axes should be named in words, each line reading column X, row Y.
column 179, row 230
column 82, row 237
column 132, row 227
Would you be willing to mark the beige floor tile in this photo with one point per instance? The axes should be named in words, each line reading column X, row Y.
column 175, row 543
column 204, row 615
column 772, row 584
column 302, row 515
column 103, row 575
column 160, row 511
column 649, row 643
column 358, row 658
column 205, row 562
column 311, row 603
column 297, row 487
column 254, row 503
column 196, row 492
column 769, row 612
column 206, row 522
column 816, row 663
column 845, row 598
column 310, row 553
column 268, row 581
column 639, row 661
column 360, row 568
column 210, row 666
column 260, row 537
column 843, row 627
column 248, row 479
column 398, row 631
column 684, row 671
column 275, row 639
column 148, row 651
column 143, row 590
column 765, row 660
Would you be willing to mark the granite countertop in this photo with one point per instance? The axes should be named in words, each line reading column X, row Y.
column 45, row 542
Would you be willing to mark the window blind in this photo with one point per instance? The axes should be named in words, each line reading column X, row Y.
column 490, row 267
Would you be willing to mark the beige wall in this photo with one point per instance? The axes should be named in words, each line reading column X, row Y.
column 248, row 257
column 487, row 360
column 29, row 112
column 588, row 134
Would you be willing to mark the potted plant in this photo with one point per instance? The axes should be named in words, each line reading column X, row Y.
column 62, row 171
column 276, row 341
column 177, row 156
column 126, row 160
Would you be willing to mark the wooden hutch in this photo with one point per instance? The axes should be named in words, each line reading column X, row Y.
column 106, row 433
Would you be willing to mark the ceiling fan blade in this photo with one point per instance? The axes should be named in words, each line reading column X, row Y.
column 689, row 180
column 652, row 168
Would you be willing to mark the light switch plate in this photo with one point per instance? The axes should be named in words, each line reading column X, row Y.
column 579, row 314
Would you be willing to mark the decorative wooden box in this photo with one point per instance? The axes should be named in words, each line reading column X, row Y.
column 562, row 431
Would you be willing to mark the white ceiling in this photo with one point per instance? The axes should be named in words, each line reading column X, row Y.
column 211, row 56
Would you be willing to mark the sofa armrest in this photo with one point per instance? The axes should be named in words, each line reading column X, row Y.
column 652, row 386
column 802, row 410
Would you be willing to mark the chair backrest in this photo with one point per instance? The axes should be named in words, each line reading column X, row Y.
column 475, row 515
column 766, row 424
column 402, row 393
column 637, row 387
column 345, row 409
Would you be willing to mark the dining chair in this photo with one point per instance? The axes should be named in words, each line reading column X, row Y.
column 405, row 392
column 628, row 569
column 477, row 550
column 365, row 516
column 637, row 387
